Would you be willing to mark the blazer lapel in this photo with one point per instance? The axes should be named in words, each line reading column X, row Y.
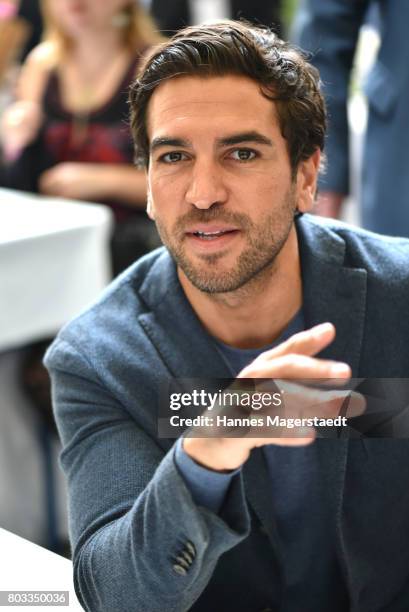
column 332, row 291
column 184, row 345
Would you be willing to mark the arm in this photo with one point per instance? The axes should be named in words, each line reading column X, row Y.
column 207, row 487
column 329, row 30
column 140, row 540
column 132, row 518
column 22, row 120
column 96, row 182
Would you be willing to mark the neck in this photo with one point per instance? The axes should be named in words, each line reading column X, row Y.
column 99, row 47
column 256, row 314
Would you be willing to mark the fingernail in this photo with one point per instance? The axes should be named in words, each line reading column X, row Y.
column 323, row 328
column 340, row 369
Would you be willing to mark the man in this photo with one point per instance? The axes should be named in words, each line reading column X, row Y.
column 330, row 31
column 229, row 122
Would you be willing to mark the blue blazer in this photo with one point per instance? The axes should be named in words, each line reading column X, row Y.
column 132, row 518
column 330, row 30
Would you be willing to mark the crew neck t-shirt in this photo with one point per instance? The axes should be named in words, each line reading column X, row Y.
column 313, row 578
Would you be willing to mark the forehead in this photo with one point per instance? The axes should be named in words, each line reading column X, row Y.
column 205, row 103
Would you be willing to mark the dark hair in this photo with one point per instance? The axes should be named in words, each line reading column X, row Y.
column 238, row 48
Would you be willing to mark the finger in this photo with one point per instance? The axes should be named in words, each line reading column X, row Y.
column 349, row 406
column 310, row 401
column 296, row 366
column 319, row 384
column 308, row 342
column 301, row 436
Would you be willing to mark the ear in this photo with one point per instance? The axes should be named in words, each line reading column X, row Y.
column 149, row 203
column 149, row 207
column 307, row 174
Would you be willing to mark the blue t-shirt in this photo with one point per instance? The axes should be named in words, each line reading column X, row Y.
column 313, row 579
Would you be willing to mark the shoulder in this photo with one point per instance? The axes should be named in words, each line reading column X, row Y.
column 35, row 72
column 105, row 357
column 44, row 55
column 381, row 256
column 112, row 324
column 361, row 280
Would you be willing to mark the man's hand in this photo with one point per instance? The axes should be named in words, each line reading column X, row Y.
column 292, row 359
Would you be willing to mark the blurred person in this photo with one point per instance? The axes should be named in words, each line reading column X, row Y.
column 14, row 34
column 20, row 31
column 171, row 16
column 67, row 134
column 330, row 31
column 229, row 122
column 29, row 12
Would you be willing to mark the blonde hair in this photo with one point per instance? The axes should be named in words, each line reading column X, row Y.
column 139, row 30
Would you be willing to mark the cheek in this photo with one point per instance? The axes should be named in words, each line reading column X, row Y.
column 264, row 190
column 166, row 189
column 272, row 198
column 160, row 198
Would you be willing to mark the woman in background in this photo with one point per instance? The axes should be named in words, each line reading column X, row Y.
column 67, row 133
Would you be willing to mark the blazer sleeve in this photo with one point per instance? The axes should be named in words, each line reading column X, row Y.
column 329, row 31
column 139, row 540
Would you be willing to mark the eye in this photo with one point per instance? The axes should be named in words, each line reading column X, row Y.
column 172, row 157
column 243, row 155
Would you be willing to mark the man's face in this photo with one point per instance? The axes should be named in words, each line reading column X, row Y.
column 220, row 185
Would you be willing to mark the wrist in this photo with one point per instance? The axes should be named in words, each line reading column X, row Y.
column 215, row 454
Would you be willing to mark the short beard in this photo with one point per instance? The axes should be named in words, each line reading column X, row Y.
column 265, row 241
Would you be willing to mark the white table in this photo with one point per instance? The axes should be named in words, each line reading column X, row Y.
column 53, row 262
column 28, row 567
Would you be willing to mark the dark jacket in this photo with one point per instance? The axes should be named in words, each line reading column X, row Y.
column 330, row 31
column 131, row 515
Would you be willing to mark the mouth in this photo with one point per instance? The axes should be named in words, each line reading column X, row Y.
column 211, row 232
column 211, row 238
column 211, row 235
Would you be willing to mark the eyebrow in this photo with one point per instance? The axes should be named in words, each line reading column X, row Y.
column 164, row 141
column 242, row 137
column 252, row 136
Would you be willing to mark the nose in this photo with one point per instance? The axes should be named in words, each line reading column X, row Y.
column 206, row 186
